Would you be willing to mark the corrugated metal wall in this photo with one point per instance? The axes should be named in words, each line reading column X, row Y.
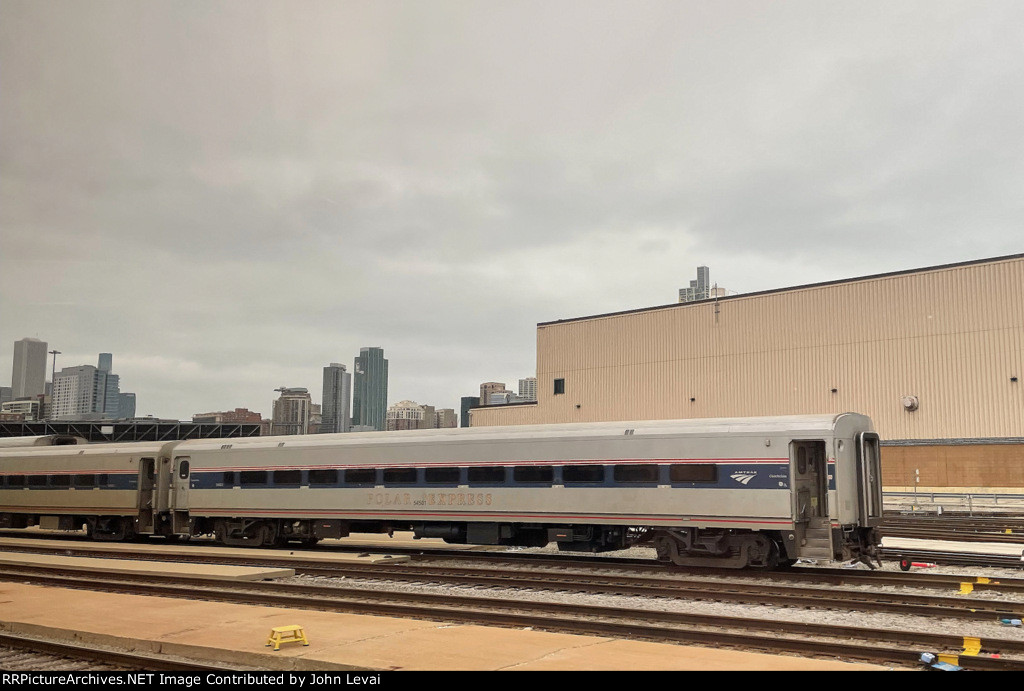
column 951, row 336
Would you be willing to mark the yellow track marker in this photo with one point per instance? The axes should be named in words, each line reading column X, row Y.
column 972, row 645
column 950, row 659
column 966, row 588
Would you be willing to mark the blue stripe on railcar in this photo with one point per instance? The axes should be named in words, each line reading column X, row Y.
column 729, row 476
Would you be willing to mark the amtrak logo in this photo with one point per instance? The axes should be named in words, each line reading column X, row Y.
column 743, row 477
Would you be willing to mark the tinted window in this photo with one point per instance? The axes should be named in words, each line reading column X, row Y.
column 60, row 480
column 101, row 480
column 361, row 476
column 253, row 477
column 229, row 478
column 534, row 473
column 636, row 473
column 37, row 481
column 582, row 473
column 695, row 472
column 399, row 476
column 287, row 477
column 16, row 481
column 323, row 476
column 442, row 476
column 487, row 474
column 559, row 386
column 183, row 469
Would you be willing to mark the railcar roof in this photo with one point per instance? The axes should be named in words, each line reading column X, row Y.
column 804, row 424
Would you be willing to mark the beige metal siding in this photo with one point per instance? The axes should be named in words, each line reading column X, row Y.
column 952, row 336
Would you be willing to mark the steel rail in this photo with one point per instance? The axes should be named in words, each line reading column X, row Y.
column 873, row 645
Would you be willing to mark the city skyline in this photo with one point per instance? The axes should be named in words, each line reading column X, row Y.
column 230, row 199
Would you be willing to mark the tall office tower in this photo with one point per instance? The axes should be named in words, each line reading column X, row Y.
column 337, row 394
column 370, row 388
column 126, row 406
column 6, row 394
column 29, row 375
column 467, row 402
column 699, row 289
column 292, row 411
column 106, row 362
column 79, row 393
column 528, row 389
column 487, row 388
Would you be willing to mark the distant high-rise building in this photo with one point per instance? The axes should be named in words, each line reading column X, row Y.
column 445, row 418
column 701, row 289
column 528, row 389
column 292, row 411
column 126, row 406
column 79, row 393
column 467, row 402
column 407, row 415
column 370, row 388
column 487, row 388
column 337, row 394
column 29, row 375
column 6, row 394
column 106, row 362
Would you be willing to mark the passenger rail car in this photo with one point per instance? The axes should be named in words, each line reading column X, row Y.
column 715, row 492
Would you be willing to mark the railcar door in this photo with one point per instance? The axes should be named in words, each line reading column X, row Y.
column 869, row 478
column 147, row 494
column 810, row 494
column 180, row 478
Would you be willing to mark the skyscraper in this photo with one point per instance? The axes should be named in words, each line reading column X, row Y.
column 292, row 411
column 370, row 390
column 337, row 394
column 29, row 375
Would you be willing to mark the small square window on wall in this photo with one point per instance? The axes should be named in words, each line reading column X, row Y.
column 559, row 386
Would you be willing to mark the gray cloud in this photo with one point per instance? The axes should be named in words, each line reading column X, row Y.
column 230, row 196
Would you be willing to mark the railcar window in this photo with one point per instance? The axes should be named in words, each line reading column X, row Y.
column 287, row 477
column 489, row 475
column 15, row 480
column 361, row 476
column 101, row 479
column 693, row 472
column 60, row 480
column 573, row 474
column 85, row 480
column 229, row 478
column 253, row 477
column 37, row 481
column 534, row 473
column 636, row 473
column 183, row 469
column 323, row 476
column 442, row 476
column 399, row 476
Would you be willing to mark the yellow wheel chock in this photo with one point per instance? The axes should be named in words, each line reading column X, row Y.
column 286, row 634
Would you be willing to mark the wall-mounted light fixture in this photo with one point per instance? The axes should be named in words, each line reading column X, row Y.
column 910, row 403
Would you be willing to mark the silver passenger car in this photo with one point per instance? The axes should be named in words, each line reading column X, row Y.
column 724, row 492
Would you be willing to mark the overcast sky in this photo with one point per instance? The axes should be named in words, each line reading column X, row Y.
column 228, row 196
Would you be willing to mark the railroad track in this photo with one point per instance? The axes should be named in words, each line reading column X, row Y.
column 882, row 646
column 26, row 653
column 639, row 574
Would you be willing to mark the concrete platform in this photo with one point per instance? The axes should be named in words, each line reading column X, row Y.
column 215, row 572
column 235, row 635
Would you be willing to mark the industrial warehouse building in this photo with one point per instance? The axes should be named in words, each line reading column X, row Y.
column 934, row 356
